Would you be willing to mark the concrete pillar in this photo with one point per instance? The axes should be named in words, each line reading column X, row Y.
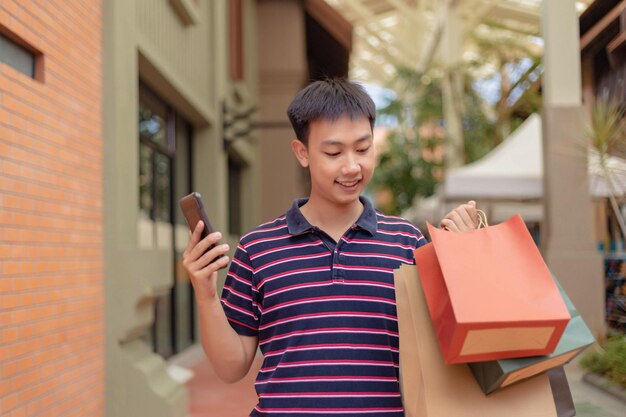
column 567, row 237
column 137, row 383
column 452, row 88
column 283, row 72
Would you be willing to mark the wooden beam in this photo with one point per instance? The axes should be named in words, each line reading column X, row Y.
column 331, row 20
column 376, row 50
column 602, row 24
column 405, row 10
column 617, row 42
column 435, row 35
column 365, row 13
column 477, row 14
column 523, row 15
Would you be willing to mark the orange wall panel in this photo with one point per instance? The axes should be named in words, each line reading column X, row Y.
column 51, row 237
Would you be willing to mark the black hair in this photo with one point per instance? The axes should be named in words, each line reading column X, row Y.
column 329, row 99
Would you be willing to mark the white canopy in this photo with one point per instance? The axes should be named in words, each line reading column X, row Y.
column 514, row 170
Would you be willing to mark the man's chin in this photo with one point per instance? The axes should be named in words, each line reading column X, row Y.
column 348, row 199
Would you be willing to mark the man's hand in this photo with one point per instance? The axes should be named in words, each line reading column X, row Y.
column 461, row 219
column 202, row 267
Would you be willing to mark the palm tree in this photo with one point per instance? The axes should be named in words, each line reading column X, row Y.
column 607, row 135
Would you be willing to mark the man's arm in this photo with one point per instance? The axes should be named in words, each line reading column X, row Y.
column 230, row 354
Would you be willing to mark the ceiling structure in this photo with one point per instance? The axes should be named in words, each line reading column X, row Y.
column 391, row 33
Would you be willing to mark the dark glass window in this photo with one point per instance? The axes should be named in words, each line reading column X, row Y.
column 165, row 177
column 235, row 174
column 18, row 57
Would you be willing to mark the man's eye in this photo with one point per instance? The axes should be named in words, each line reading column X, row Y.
column 332, row 153
column 363, row 150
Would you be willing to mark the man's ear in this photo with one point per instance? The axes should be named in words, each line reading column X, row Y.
column 301, row 152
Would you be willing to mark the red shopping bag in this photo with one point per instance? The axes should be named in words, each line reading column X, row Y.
column 490, row 294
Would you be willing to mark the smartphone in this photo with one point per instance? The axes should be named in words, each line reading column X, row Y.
column 193, row 210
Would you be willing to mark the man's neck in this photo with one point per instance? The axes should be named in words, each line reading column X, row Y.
column 332, row 218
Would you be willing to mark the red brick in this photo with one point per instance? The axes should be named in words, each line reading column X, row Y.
column 51, row 270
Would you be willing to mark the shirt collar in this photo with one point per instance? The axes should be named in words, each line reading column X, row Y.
column 298, row 224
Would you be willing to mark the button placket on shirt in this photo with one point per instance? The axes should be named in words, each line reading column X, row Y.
column 338, row 273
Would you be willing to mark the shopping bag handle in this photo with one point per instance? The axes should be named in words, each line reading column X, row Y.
column 482, row 219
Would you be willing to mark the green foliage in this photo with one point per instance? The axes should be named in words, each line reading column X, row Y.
column 408, row 166
column 611, row 361
column 411, row 165
column 402, row 169
column 479, row 130
column 607, row 133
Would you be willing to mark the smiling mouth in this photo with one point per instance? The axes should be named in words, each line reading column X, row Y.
column 348, row 184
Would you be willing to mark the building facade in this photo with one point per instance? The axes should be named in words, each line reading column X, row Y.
column 180, row 93
column 603, row 64
column 110, row 112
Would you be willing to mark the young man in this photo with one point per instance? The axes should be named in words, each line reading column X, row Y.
column 314, row 288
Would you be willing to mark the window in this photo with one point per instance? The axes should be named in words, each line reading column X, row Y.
column 165, row 177
column 155, row 154
column 235, row 177
column 23, row 59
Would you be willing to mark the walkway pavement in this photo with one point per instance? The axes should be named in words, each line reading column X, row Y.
column 589, row 400
column 208, row 397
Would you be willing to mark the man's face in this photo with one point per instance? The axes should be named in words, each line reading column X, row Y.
column 340, row 155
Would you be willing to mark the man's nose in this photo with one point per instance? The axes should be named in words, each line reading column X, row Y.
column 351, row 166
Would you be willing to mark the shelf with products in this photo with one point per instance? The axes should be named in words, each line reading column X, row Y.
column 615, row 290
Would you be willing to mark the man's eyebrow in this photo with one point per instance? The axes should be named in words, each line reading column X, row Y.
column 363, row 138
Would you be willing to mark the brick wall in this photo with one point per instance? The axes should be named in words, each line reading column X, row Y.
column 51, row 238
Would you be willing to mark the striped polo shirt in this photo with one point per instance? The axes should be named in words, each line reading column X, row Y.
column 324, row 313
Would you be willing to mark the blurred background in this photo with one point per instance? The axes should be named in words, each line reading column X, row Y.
column 112, row 110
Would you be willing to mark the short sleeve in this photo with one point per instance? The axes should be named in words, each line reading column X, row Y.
column 421, row 239
column 239, row 296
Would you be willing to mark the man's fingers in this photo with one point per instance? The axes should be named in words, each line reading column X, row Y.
column 456, row 218
column 469, row 214
column 202, row 246
column 210, row 255
column 217, row 265
column 194, row 238
column 465, row 216
column 462, row 218
column 449, row 225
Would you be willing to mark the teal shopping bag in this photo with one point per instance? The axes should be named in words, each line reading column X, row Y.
column 497, row 374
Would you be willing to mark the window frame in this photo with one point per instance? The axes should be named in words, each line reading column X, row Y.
column 19, row 44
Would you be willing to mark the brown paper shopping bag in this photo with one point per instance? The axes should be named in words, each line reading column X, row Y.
column 431, row 388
